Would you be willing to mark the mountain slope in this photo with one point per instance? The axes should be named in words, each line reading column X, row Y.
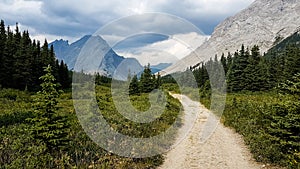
column 263, row 23
column 293, row 40
column 68, row 52
column 109, row 63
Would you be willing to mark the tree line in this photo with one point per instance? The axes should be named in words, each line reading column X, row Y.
column 22, row 61
column 247, row 69
column 146, row 83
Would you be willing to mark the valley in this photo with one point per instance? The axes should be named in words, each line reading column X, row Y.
column 233, row 102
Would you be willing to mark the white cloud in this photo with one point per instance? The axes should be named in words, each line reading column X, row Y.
column 167, row 51
column 34, row 34
column 76, row 18
column 19, row 10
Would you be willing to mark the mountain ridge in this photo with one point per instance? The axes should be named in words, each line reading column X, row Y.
column 109, row 62
column 263, row 23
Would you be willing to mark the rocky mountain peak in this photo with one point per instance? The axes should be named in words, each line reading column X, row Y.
column 263, row 23
column 101, row 53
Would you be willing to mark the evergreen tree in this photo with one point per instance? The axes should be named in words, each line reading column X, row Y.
column 201, row 74
column 252, row 71
column 3, row 38
column 45, row 53
column 17, row 57
column 224, row 63
column 22, row 61
column 134, row 86
column 263, row 75
column 48, row 126
column 291, row 61
column 237, row 75
column 8, row 60
column 228, row 62
column 234, row 73
column 275, row 65
column 63, row 73
column 285, row 124
column 147, row 80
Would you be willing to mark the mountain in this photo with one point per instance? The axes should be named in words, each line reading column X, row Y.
column 68, row 52
column 263, row 23
column 293, row 40
column 95, row 47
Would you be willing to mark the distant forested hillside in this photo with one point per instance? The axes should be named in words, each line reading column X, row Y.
column 22, row 60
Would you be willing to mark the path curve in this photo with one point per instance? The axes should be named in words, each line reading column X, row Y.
column 224, row 149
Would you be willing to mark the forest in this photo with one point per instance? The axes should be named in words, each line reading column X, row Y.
column 23, row 61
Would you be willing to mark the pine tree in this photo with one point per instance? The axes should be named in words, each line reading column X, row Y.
column 134, row 86
column 275, row 65
column 45, row 52
column 147, row 80
column 224, row 63
column 285, row 124
column 228, row 62
column 237, row 76
column 3, row 38
column 22, row 61
column 63, row 74
column 233, row 79
column 291, row 62
column 48, row 126
column 17, row 57
column 263, row 75
column 252, row 71
column 37, row 66
column 8, row 60
column 201, row 74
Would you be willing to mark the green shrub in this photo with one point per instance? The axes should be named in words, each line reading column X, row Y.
column 269, row 123
column 20, row 149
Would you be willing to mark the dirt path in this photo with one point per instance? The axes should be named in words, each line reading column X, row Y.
column 224, row 149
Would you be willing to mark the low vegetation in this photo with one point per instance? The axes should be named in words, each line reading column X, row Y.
column 28, row 141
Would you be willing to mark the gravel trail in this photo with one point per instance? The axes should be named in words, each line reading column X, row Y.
column 224, row 149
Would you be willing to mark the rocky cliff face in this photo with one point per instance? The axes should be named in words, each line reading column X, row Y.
column 263, row 23
column 98, row 51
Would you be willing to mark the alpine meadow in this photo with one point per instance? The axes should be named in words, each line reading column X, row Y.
column 250, row 58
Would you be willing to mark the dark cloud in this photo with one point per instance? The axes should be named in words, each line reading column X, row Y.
column 76, row 18
column 140, row 41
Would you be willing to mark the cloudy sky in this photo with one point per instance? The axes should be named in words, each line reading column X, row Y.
column 72, row 19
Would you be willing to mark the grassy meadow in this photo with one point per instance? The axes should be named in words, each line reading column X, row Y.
column 19, row 149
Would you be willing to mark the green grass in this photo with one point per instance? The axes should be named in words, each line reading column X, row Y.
column 18, row 149
column 141, row 103
column 254, row 116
